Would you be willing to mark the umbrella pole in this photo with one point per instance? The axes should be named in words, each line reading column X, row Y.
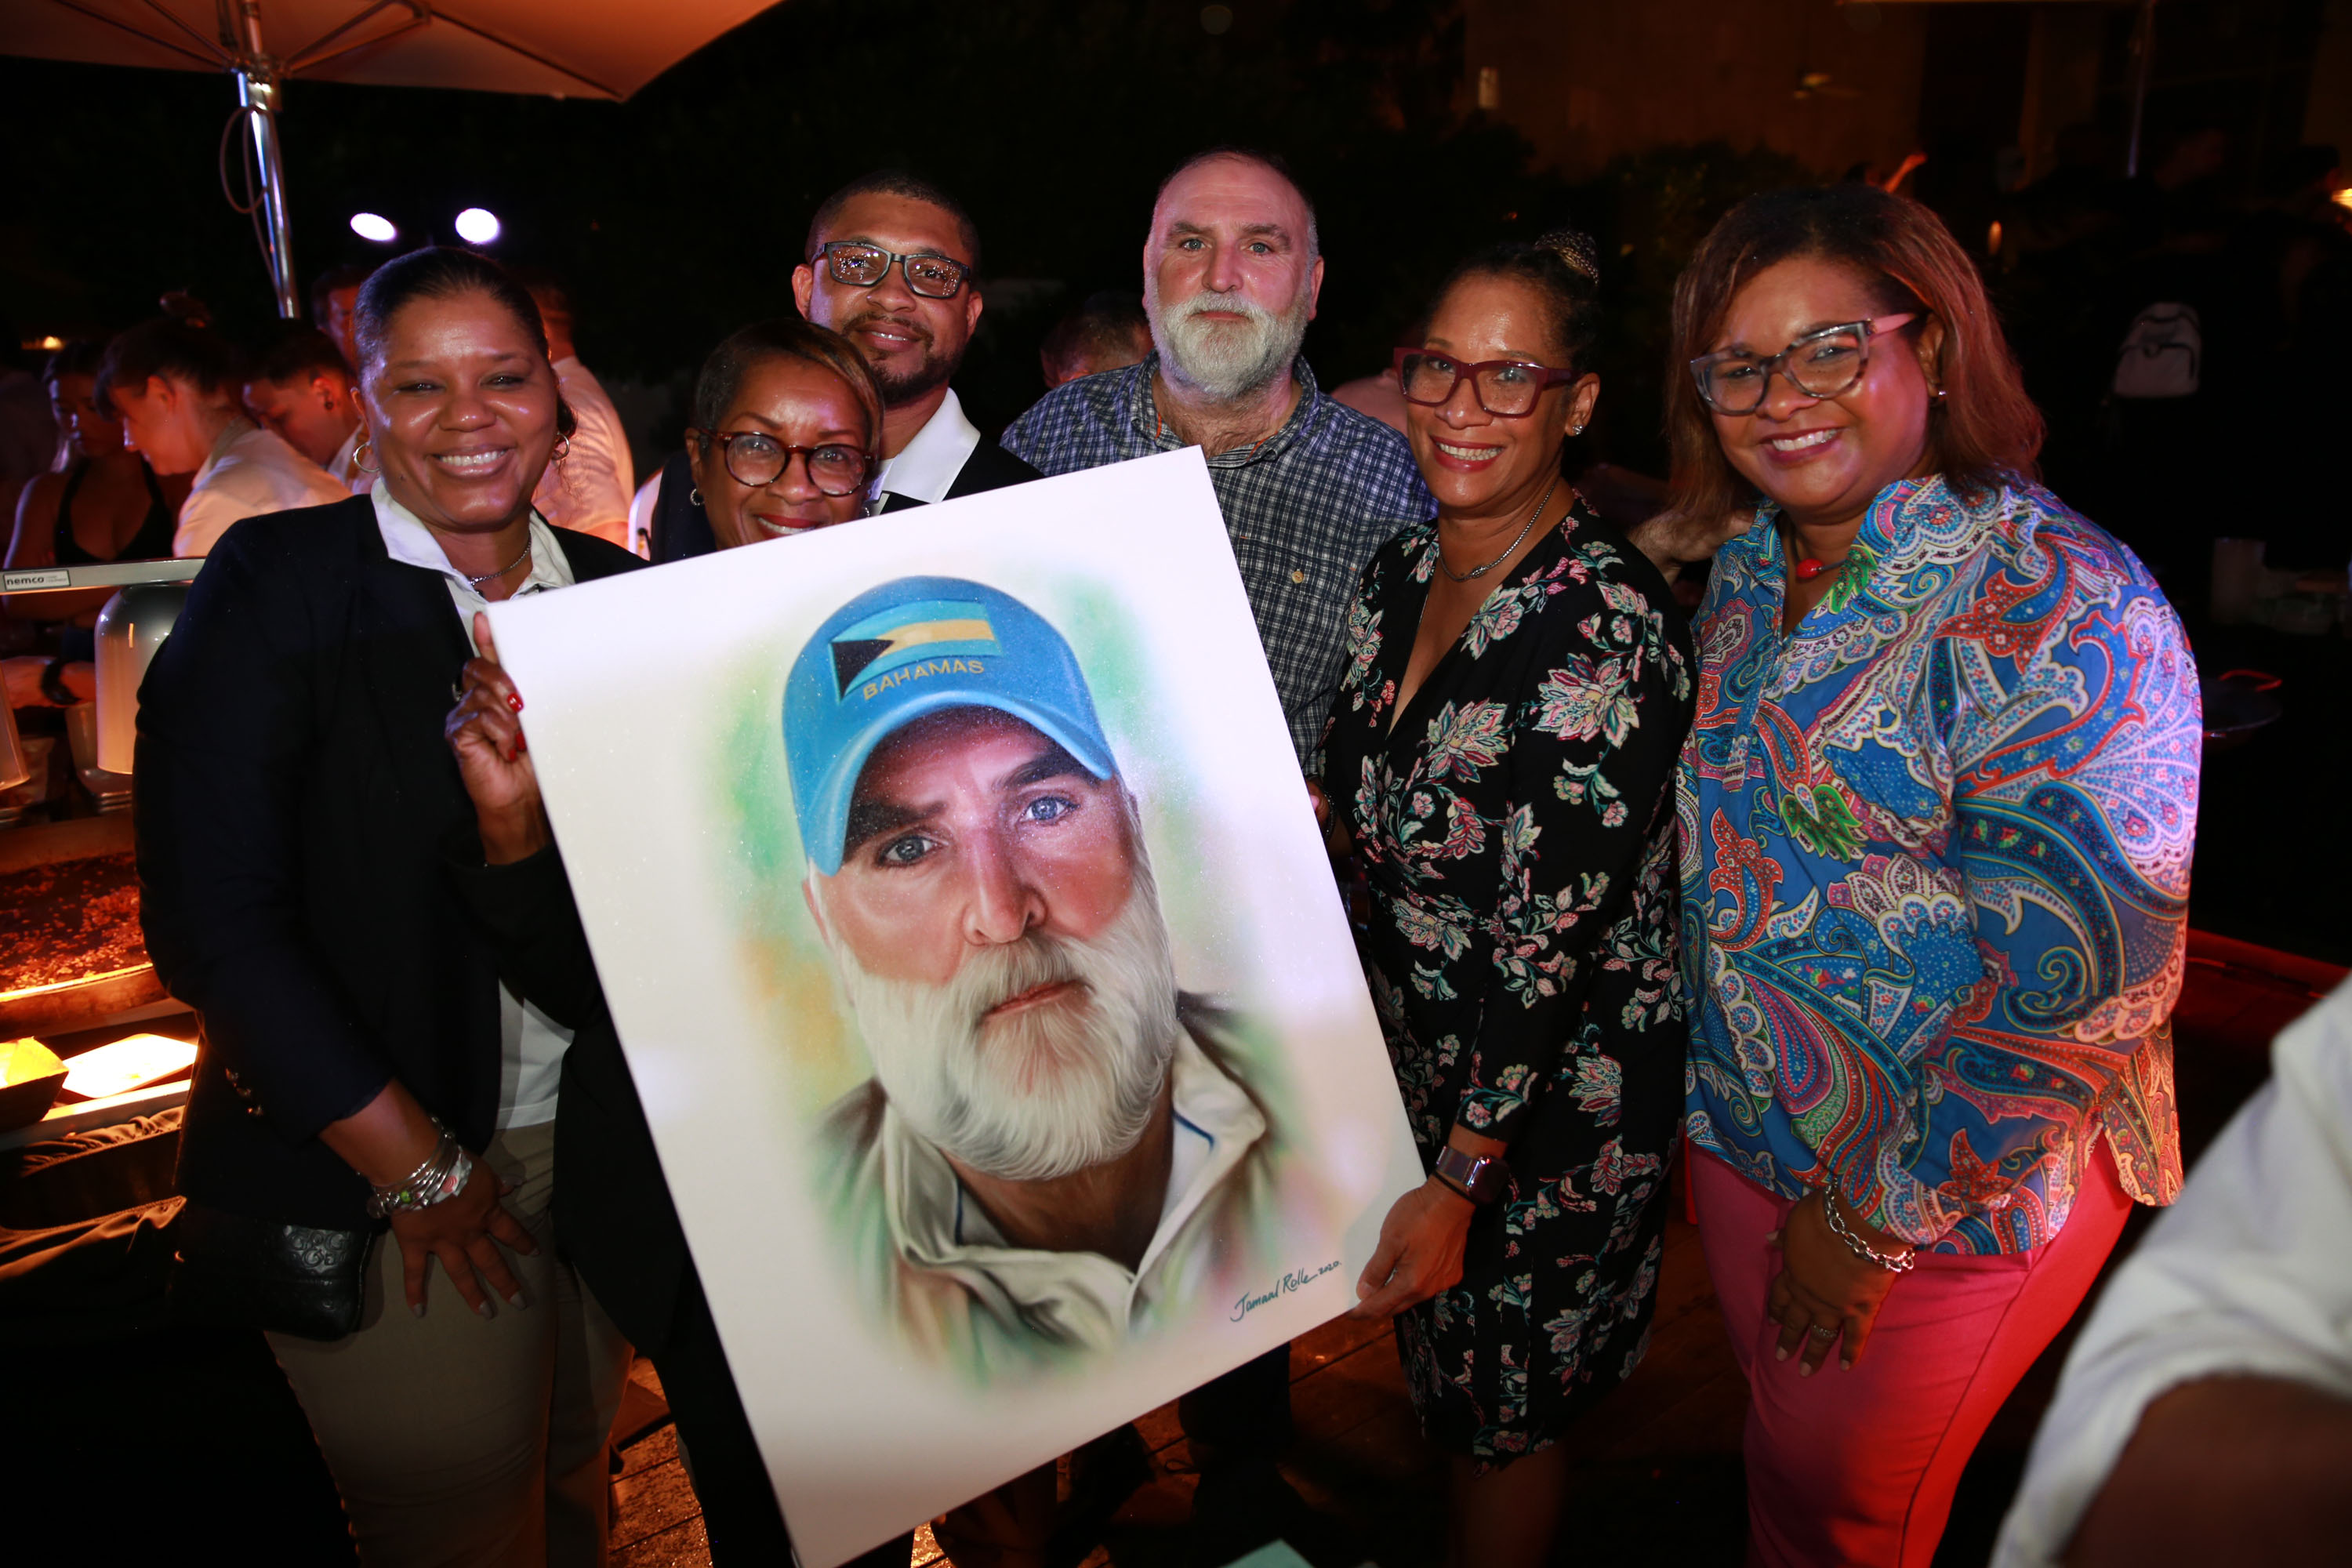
column 256, row 92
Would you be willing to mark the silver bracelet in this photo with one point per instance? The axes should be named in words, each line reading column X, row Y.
column 442, row 1177
column 1896, row 1262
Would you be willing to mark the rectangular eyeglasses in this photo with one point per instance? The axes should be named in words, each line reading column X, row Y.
column 1824, row 363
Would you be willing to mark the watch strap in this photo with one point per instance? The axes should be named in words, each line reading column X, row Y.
column 1478, row 1177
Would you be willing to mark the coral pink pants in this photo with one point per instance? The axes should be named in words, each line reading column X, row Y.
column 1858, row 1467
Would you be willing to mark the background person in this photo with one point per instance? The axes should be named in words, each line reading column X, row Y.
column 300, row 389
column 175, row 388
column 1232, row 267
column 2205, row 1415
column 768, row 402
column 1106, row 331
column 334, row 305
column 1519, row 685
column 893, row 265
column 589, row 486
column 294, row 803
column 105, row 506
column 1938, row 805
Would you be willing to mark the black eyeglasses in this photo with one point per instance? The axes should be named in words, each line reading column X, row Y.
column 861, row 266
column 756, row 458
column 1506, row 388
column 1826, row 364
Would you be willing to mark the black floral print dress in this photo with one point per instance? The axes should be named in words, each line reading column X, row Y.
column 1517, row 828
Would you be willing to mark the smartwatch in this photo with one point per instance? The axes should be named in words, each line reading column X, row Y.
column 1481, row 1178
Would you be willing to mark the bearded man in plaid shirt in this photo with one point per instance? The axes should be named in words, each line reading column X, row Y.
column 1309, row 488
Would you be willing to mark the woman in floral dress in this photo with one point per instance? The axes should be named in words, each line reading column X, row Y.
column 1502, row 750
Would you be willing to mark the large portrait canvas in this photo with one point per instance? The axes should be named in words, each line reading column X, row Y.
column 974, row 950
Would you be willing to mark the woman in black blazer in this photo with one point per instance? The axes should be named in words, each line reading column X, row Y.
column 304, row 842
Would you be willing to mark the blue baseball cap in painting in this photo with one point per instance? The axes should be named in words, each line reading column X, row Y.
column 915, row 647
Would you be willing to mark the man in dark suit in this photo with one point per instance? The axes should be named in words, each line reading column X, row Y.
column 893, row 265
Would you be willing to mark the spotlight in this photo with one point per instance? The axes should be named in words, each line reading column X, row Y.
column 368, row 225
column 477, row 225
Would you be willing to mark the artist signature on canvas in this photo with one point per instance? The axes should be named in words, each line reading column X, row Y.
column 1296, row 1279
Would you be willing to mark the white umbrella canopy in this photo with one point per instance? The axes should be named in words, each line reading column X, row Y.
column 562, row 48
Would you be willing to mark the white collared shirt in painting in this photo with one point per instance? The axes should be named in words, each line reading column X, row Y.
column 530, row 1043
column 959, row 1289
column 925, row 465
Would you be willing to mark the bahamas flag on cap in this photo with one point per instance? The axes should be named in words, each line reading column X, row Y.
column 911, row 647
column 942, row 636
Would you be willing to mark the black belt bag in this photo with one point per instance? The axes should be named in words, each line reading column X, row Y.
column 237, row 1271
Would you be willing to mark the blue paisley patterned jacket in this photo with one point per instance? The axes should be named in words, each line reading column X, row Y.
column 1935, row 862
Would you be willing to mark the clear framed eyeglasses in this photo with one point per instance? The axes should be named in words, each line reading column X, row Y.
column 1825, row 363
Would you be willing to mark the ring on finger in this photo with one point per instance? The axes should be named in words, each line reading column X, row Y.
column 1823, row 1332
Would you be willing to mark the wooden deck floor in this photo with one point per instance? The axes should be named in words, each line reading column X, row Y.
column 1658, row 1478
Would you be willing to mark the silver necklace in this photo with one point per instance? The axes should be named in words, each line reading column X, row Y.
column 487, row 577
column 1514, row 544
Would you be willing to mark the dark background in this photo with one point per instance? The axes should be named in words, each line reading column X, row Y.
column 678, row 216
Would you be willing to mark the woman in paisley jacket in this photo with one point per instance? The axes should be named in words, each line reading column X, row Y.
column 1502, row 749
column 1936, row 817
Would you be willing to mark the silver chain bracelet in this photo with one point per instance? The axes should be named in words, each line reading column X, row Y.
column 441, row 1176
column 1896, row 1262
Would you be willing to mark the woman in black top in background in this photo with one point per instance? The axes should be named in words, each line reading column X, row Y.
column 105, row 505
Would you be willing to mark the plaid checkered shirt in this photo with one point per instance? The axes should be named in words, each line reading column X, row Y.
column 1306, row 509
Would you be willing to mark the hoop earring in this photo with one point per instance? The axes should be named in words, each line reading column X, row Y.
column 694, row 496
column 362, row 463
column 562, row 449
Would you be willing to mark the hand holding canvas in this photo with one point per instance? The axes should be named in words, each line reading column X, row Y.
column 1422, row 1241
column 485, row 731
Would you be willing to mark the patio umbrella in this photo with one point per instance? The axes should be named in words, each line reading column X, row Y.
column 562, row 48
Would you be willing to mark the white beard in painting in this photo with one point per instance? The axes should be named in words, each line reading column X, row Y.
column 1051, row 1089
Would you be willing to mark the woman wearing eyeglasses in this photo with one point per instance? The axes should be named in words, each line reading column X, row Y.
column 1502, row 751
column 1937, row 815
column 786, row 419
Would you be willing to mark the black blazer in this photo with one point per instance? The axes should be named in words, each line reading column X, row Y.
column 294, row 810
column 990, row 468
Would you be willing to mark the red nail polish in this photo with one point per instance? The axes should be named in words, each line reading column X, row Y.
column 514, row 701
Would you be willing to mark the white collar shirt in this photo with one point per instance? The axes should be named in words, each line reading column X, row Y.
column 530, row 1043
column 928, row 464
column 940, row 1236
column 249, row 471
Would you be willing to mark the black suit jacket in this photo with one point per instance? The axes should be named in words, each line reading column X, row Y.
column 990, row 468
column 295, row 807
